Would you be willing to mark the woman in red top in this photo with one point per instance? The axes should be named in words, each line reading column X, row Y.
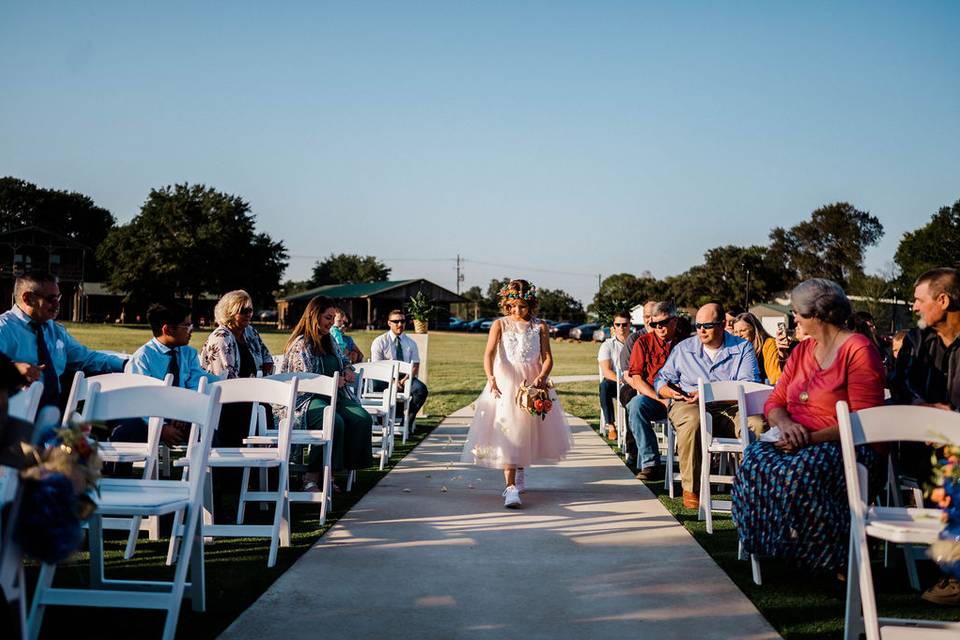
column 789, row 498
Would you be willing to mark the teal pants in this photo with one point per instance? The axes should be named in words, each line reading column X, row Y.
column 352, row 433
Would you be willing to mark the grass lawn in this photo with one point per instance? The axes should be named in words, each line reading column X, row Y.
column 798, row 605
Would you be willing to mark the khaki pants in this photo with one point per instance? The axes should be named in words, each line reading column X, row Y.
column 686, row 421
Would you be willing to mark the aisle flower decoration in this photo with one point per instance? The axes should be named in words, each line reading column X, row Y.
column 60, row 482
column 946, row 551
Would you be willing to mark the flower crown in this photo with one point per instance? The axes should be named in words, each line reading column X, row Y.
column 513, row 295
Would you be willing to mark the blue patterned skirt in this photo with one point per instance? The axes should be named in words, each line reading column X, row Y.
column 794, row 506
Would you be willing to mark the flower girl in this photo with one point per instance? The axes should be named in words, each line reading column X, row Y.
column 510, row 430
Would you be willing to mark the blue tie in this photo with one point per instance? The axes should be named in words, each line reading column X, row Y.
column 51, row 385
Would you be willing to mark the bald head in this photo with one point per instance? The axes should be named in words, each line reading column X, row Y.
column 710, row 324
column 710, row 312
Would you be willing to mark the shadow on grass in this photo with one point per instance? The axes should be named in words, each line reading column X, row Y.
column 799, row 604
column 236, row 568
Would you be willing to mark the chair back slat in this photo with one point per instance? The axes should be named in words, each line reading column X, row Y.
column 136, row 402
column 24, row 405
column 80, row 388
column 262, row 390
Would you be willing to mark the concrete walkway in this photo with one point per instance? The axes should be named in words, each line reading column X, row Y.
column 430, row 552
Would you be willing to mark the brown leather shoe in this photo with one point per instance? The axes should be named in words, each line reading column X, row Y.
column 691, row 500
column 649, row 474
column 611, row 432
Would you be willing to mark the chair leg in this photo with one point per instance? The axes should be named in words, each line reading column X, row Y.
column 198, row 585
column 173, row 547
column 853, row 622
column 263, row 487
column 35, row 619
column 242, row 501
column 668, row 475
column 192, row 530
column 755, row 569
column 95, row 540
column 283, row 504
column 351, row 476
column 132, row 538
column 327, row 481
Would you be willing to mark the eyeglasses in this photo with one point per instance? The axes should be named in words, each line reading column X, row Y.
column 185, row 325
column 659, row 323
column 395, row 321
column 621, row 324
column 709, row 325
column 53, row 298
column 246, row 311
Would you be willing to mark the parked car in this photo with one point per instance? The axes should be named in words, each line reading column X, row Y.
column 456, row 324
column 486, row 324
column 584, row 331
column 561, row 329
column 601, row 334
column 474, row 325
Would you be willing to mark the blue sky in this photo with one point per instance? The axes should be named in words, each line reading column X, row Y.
column 569, row 137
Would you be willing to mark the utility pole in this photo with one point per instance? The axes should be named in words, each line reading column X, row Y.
column 460, row 275
column 746, row 297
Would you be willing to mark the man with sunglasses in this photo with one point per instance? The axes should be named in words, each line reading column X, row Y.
column 610, row 373
column 41, row 348
column 714, row 355
column 649, row 355
column 396, row 345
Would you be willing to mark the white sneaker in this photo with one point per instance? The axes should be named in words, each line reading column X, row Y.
column 520, row 482
column 511, row 497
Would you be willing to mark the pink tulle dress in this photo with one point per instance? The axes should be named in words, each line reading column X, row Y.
column 502, row 434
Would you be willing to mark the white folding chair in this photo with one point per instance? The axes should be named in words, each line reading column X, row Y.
column 145, row 453
column 142, row 497
column 728, row 448
column 750, row 403
column 380, row 405
column 406, row 424
column 314, row 384
column 24, row 405
column 914, row 526
column 671, row 475
column 268, row 392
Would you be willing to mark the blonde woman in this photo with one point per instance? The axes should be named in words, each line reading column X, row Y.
column 748, row 327
column 235, row 349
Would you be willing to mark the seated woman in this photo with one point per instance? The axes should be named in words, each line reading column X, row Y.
column 312, row 349
column 748, row 327
column 789, row 496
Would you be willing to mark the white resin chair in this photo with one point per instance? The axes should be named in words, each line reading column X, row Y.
column 729, row 448
column 142, row 497
column 915, row 526
column 139, row 453
column 276, row 456
column 406, row 424
column 380, row 405
column 315, row 384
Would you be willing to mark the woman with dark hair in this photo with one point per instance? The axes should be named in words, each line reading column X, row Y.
column 748, row 327
column 789, row 497
column 311, row 349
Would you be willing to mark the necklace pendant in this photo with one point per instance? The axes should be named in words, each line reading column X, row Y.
column 804, row 396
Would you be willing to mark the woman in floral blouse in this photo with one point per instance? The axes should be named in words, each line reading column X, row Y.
column 235, row 349
column 311, row 349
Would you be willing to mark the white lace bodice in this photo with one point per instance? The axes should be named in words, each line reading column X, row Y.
column 520, row 344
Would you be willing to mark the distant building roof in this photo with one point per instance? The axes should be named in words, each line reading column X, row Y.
column 770, row 308
column 100, row 289
column 356, row 290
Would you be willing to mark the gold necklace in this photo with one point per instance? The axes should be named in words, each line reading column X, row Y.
column 804, row 395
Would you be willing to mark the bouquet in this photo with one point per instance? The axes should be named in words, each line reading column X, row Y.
column 59, row 484
column 534, row 400
column 946, row 551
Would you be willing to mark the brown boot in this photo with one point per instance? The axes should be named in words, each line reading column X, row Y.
column 691, row 500
column 611, row 432
column 649, row 474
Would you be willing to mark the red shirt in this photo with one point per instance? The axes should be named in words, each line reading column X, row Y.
column 648, row 355
column 856, row 375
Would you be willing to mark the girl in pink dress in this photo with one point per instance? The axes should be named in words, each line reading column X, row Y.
column 502, row 434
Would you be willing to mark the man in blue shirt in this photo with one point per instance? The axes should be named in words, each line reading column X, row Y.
column 169, row 351
column 40, row 347
column 714, row 355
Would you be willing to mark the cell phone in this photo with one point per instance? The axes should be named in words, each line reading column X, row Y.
column 678, row 389
column 781, row 328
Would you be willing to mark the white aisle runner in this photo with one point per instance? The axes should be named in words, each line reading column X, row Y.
column 430, row 552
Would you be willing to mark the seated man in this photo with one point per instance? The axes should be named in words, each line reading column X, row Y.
column 714, row 355
column 41, row 348
column 649, row 354
column 167, row 352
column 927, row 373
column 396, row 345
column 610, row 372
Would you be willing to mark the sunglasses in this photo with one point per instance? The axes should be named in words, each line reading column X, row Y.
column 395, row 321
column 621, row 324
column 246, row 311
column 51, row 299
column 710, row 325
column 659, row 324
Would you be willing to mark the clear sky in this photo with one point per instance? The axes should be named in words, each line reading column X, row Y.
column 571, row 137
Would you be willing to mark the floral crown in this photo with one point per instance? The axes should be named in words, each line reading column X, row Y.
column 513, row 295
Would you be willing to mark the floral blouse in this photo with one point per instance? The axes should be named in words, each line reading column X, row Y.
column 221, row 354
column 299, row 357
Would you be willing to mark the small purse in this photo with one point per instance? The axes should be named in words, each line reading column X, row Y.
column 533, row 400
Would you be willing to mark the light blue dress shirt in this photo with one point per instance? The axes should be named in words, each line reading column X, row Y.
column 152, row 360
column 19, row 343
column 687, row 361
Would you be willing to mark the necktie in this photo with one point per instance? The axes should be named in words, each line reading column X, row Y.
column 174, row 367
column 399, row 349
column 51, row 386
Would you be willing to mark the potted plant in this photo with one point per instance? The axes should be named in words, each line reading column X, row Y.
column 420, row 309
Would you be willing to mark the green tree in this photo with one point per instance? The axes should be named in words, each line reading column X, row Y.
column 493, row 295
column 67, row 213
column 935, row 244
column 557, row 304
column 190, row 240
column 625, row 291
column 829, row 245
column 346, row 268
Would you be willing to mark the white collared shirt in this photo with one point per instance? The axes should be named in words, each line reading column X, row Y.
column 384, row 347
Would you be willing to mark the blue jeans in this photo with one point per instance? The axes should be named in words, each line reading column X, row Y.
column 608, row 393
column 642, row 411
